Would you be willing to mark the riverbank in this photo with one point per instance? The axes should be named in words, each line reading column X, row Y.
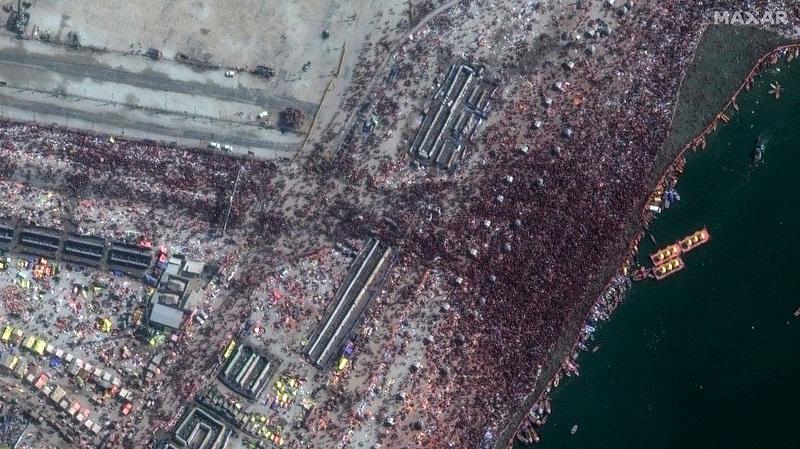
column 705, row 358
column 721, row 63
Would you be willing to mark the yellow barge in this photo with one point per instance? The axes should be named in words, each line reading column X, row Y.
column 665, row 254
column 668, row 269
column 694, row 240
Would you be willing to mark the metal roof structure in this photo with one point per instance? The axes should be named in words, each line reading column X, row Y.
column 166, row 316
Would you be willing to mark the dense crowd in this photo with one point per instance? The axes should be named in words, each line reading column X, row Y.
column 529, row 247
column 194, row 183
column 12, row 426
column 550, row 225
column 526, row 248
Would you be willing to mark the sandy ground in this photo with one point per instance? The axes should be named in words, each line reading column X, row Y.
column 283, row 34
column 134, row 96
column 182, row 104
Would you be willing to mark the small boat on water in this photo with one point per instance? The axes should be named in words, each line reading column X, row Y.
column 671, row 196
column 573, row 430
column 758, row 153
column 528, row 436
column 776, row 90
column 641, row 274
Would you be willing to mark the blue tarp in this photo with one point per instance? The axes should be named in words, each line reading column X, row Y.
column 150, row 280
column 348, row 350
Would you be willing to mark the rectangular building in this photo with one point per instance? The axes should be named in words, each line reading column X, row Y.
column 247, row 372
column 350, row 302
column 129, row 257
column 6, row 235
column 202, row 429
column 84, row 247
column 162, row 315
column 40, row 241
column 457, row 109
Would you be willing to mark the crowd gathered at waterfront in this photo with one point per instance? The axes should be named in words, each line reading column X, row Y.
column 564, row 171
column 521, row 254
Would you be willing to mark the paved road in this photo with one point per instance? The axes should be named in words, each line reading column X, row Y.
column 84, row 65
column 29, row 107
column 143, row 99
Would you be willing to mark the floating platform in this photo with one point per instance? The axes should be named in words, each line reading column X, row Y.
column 665, row 254
column 683, row 245
column 668, row 269
column 694, row 240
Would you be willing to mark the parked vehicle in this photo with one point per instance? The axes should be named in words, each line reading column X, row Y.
column 200, row 317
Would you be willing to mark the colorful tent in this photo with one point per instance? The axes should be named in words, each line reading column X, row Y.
column 229, row 349
column 106, row 325
column 28, row 342
column 39, row 346
column 7, row 334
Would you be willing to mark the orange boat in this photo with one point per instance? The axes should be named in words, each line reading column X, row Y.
column 665, row 254
column 667, row 269
column 691, row 242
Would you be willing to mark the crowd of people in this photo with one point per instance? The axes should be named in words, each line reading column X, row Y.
column 564, row 170
column 121, row 191
column 12, row 425
column 191, row 183
column 524, row 246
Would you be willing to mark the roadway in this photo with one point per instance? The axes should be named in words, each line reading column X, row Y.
column 132, row 95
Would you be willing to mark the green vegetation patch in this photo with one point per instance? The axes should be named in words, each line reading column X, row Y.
column 724, row 56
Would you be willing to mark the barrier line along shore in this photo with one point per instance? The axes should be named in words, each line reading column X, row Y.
column 670, row 174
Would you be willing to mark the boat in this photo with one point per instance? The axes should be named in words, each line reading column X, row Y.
column 670, row 197
column 665, row 254
column 694, row 240
column 528, row 436
column 668, row 269
column 641, row 274
column 758, row 153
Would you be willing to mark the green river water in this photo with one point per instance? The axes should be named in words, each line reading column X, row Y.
column 709, row 358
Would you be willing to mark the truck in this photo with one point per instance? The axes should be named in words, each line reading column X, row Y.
column 264, row 71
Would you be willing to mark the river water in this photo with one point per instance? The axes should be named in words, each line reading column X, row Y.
column 709, row 358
